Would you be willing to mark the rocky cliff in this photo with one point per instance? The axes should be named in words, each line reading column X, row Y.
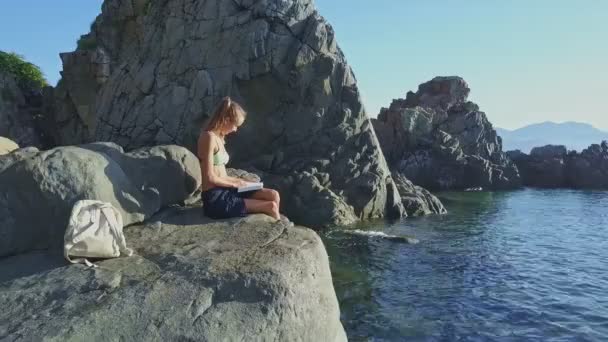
column 439, row 140
column 20, row 112
column 151, row 72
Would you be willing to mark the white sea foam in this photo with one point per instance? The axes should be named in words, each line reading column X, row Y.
column 382, row 235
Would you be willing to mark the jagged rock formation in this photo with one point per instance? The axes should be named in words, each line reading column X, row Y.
column 192, row 279
column 552, row 166
column 69, row 106
column 439, row 140
column 151, row 72
column 39, row 188
column 20, row 112
column 417, row 200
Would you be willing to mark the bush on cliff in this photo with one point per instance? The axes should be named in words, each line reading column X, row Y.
column 86, row 42
column 28, row 75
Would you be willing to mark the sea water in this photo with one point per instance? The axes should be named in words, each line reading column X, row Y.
column 529, row 265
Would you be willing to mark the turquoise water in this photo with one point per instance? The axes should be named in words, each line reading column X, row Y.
column 529, row 265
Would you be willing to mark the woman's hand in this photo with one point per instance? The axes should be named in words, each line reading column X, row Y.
column 240, row 183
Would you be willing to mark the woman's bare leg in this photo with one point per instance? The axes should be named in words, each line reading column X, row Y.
column 269, row 208
column 267, row 195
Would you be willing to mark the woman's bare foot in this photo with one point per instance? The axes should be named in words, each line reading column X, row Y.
column 275, row 211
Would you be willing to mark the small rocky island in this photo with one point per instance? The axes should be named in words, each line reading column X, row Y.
column 553, row 166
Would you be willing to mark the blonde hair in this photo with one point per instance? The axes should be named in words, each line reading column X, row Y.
column 227, row 111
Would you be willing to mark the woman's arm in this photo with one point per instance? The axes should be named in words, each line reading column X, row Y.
column 237, row 179
column 205, row 155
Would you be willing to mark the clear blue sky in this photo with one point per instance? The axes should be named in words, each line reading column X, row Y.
column 525, row 61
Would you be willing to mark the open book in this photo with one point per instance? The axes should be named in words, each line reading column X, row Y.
column 251, row 187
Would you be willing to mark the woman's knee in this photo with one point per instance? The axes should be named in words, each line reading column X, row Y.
column 275, row 196
column 272, row 205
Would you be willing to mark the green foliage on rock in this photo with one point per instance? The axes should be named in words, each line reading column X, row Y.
column 27, row 74
column 86, row 42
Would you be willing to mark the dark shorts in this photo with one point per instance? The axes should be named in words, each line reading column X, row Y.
column 221, row 203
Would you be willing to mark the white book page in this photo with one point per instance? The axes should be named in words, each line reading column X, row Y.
column 251, row 187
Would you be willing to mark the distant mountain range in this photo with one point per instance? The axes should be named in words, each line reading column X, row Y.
column 574, row 135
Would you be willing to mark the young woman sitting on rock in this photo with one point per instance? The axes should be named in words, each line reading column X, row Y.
column 220, row 196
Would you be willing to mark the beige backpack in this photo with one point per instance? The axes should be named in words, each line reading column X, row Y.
column 94, row 231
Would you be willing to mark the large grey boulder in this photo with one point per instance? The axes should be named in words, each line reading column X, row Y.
column 191, row 280
column 552, row 166
column 439, row 140
column 15, row 155
column 151, row 72
column 39, row 188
